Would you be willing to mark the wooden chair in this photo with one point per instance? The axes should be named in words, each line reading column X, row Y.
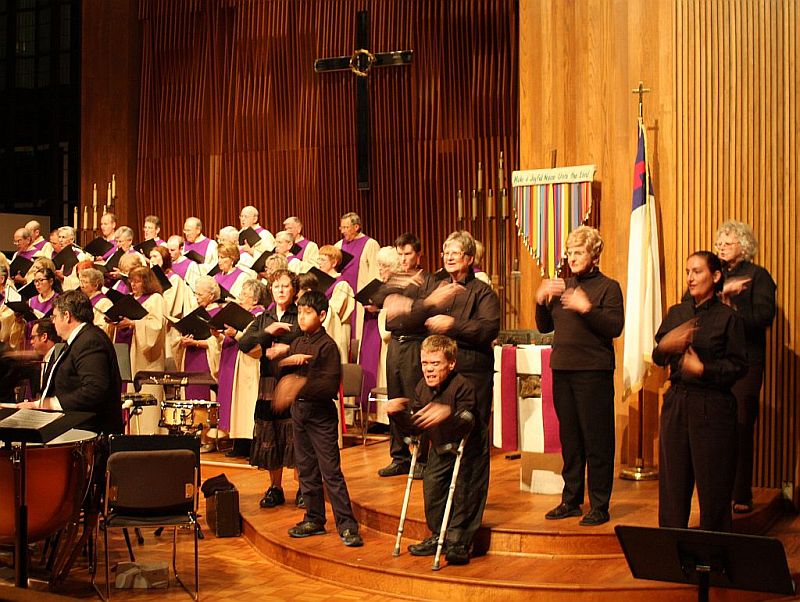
column 352, row 385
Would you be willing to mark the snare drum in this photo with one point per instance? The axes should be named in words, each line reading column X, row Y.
column 57, row 478
column 189, row 414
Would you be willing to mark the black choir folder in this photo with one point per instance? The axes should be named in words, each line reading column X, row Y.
column 20, row 266
column 23, row 309
column 366, row 294
column 195, row 324
column 249, row 236
column 145, row 247
column 66, row 260
column 37, row 426
column 98, row 247
column 126, row 307
column 233, row 315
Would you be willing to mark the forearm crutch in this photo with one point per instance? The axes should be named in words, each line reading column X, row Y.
column 414, row 444
column 448, row 505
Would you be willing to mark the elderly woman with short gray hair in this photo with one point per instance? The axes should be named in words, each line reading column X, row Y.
column 586, row 312
column 750, row 290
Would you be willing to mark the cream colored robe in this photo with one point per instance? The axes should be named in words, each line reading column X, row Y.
column 337, row 321
column 148, row 353
column 367, row 272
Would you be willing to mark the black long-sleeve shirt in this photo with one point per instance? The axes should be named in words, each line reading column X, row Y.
column 256, row 335
column 755, row 305
column 719, row 343
column 323, row 370
column 476, row 311
column 585, row 341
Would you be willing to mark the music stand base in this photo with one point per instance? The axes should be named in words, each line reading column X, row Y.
column 639, row 473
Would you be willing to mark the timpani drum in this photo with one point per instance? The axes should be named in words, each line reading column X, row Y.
column 189, row 414
column 57, row 479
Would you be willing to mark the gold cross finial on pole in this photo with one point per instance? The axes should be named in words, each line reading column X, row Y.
column 641, row 91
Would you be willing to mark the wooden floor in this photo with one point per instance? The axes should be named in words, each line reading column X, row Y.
column 522, row 555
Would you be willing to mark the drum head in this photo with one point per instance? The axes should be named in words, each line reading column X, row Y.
column 72, row 436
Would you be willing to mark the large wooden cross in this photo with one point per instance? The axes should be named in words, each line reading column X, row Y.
column 360, row 63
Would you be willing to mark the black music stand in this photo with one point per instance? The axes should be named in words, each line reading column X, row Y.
column 706, row 558
column 23, row 434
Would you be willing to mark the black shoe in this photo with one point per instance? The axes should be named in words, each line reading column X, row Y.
column 272, row 497
column 563, row 511
column 457, row 553
column 427, row 547
column 351, row 538
column 306, row 529
column 419, row 471
column 394, row 469
column 299, row 501
column 595, row 517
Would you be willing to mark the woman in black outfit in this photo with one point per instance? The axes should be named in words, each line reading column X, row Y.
column 750, row 291
column 702, row 341
column 587, row 314
column 268, row 337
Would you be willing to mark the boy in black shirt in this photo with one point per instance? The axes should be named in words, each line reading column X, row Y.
column 315, row 423
column 443, row 406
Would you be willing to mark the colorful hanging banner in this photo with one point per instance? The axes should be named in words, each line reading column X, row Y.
column 549, row 204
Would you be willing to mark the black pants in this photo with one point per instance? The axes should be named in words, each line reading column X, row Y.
column 403, row 372
column 473, row 480
column 316, row 450
column 469, row 499
column 697, row 445
column 584, row 403
column 746, row 390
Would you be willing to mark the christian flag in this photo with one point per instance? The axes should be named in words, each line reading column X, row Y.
column 643, row 298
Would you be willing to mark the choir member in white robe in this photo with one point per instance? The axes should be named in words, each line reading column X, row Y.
column 148, row 341
column 187, row 269
column 363, row 268
column 341, row 301
column 308, row 249
column 194, row 240
column 248, row 218
column 240, row 387
column 194, row 355
column 229, row 276
column 92, row 285
column 174, row 299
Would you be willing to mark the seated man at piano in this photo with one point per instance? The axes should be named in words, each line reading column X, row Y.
column 85, row 375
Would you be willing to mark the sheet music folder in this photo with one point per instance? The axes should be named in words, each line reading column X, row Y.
column 40, row 434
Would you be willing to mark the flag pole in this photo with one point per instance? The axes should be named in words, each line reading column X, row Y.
column 640, row 472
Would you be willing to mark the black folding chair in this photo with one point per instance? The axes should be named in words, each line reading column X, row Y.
column 152, row 481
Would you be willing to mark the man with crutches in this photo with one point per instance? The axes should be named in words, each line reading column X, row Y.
column 442, row 411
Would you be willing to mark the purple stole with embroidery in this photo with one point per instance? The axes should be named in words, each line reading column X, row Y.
column 97, row 298
column 329, row 292
column 43, row 306
column 227, row 280
column 27, row 254
column 227, row 368
column 355, row 247
column 181, row 267
column 121, row 287
column 201, row 247
column 196, row 360
column 40, row 245
column 302, row 244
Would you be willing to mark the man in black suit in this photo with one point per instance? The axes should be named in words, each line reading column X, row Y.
column 85, row 376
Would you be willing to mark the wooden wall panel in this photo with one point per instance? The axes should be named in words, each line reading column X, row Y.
column 232, row 113
column 110, row 74
column 722, row 125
